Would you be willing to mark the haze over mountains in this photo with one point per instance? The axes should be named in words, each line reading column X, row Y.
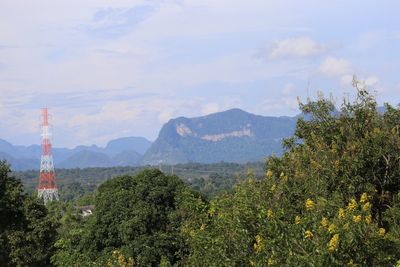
column 126, row 151
column 230, row 136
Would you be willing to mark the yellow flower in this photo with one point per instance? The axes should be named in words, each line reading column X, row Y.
column 351, row 264
column 271, row 262
column 333, row 243
column 376, row 131
column 273, row 187
column 341, row 213
column 259, row 244
column 324, row 222
column 364, row 198
column 382, row 231
column 308, row 234
column 121, row 260
column 357, row 218
column 270, row 214
column 269, row 173
column 368, row 219
column 202, row 227
column 309, row 204
column 297, row 220
column 352, row 205
column 366, row 206
column 211, row 211
column 332, row 228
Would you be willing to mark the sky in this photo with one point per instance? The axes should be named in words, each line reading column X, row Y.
column 109, row 69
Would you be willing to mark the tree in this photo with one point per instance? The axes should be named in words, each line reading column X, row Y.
column 330, row 200
column 136, row 219
column 27, row 233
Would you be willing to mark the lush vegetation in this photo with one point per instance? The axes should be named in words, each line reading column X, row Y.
column 332, row 199
column 209, row 179
column 137, row 218
column 27, row 231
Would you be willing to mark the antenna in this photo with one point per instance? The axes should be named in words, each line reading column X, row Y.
column 47, row 188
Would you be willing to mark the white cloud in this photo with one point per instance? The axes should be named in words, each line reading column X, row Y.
column 371, row 81
column 296, row 48
column 332, row 66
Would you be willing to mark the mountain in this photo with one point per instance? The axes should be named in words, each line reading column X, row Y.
column 86, row 158
column 138, row 144
column 20, row 163
column 231, row 136
column 126, row 151
column 127, row 158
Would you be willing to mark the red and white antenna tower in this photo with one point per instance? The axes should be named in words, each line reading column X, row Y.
column 47, row 189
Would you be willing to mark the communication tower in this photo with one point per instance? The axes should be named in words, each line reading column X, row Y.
column 47, row 189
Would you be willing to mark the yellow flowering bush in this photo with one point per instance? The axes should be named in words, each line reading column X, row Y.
column 309, row 204
column 332, row 228
column 270, row 214
column 357, row 218
column 308, row 234
column 352, row 205
column 341, row 213
column 325, row 222
column 119, row 260
column 364, row 198
column 367, row 206
column 258, row 245
column 333, row 243
column 336, row 207
column 382, row 231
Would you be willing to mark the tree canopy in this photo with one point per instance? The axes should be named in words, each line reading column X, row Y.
column 137, row 218
column 27, row 232
column 331, row 200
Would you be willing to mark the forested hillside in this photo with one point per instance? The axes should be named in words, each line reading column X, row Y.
column 331, row 199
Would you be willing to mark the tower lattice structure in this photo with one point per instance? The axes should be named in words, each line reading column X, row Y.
column 47, row 189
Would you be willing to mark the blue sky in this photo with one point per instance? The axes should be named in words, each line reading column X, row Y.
column 108, row 69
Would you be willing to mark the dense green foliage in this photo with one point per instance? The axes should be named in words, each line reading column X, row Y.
column 331, row 200
column 27, row 232
column 137, row 217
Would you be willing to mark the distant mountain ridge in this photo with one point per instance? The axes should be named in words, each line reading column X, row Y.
column 126, row 151
column 231, row 136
